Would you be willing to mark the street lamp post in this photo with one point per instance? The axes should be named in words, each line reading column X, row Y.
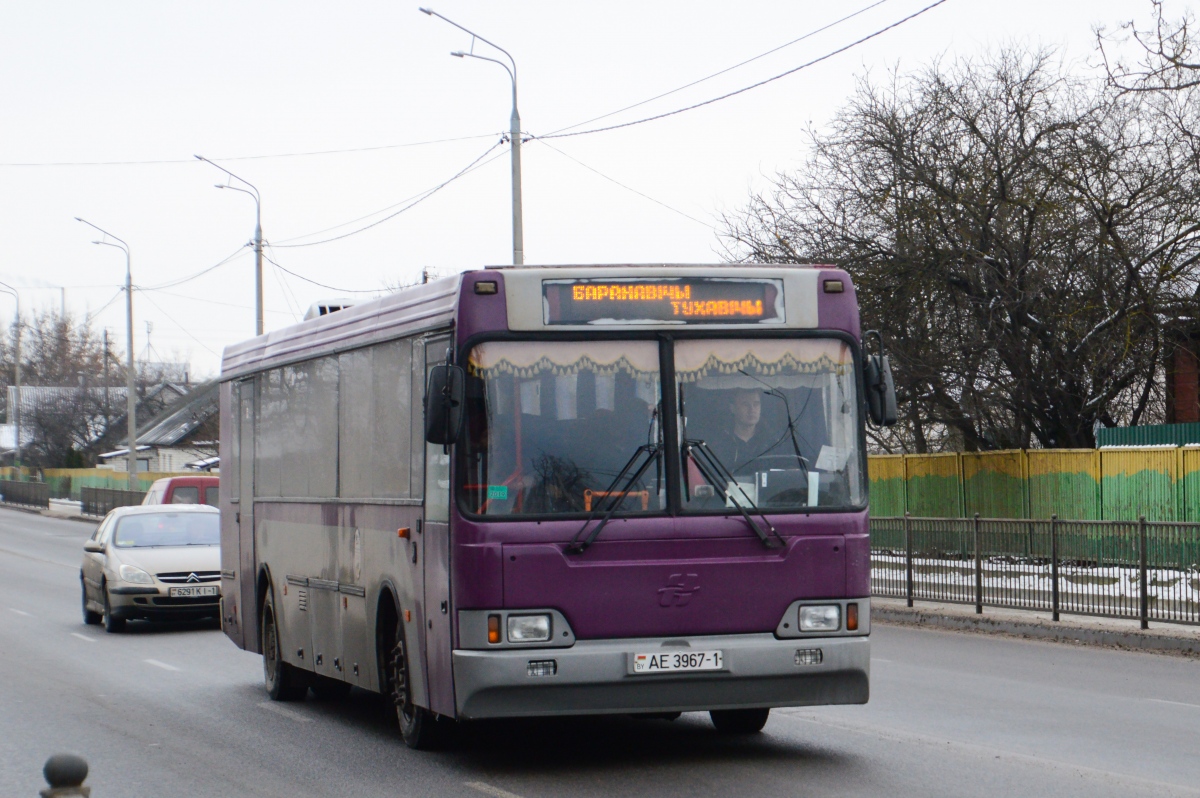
column 130, row 386
column 16, row 411
column 258, row 251
column 514, row 131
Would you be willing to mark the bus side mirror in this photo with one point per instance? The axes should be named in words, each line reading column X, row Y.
column 881, row 391
column 444, row 404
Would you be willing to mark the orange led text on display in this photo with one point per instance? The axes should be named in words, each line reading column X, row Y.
column 679, row 296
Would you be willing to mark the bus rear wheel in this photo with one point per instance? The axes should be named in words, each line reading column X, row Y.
column 284, row 682
column 739, row 721
column 418, row 726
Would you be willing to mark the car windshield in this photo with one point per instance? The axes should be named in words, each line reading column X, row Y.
column 552, row 424
column 167, row 529
column 771, row 423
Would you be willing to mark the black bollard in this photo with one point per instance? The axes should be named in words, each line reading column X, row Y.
column 65, row 774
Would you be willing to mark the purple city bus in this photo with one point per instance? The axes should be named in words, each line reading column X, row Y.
column 537, row 491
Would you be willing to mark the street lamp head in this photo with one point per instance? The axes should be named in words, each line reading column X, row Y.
column 97, row 242
column 458, row 54
column 428, row 11
column 78, row 219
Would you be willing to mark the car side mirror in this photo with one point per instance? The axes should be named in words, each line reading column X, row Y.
column 444, row 404
column 94, row 546
column 881, row 391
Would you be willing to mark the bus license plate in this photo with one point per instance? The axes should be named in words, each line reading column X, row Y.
column 193, row 592
column 675, row 661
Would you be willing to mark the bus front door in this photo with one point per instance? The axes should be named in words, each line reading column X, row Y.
column 436, row 551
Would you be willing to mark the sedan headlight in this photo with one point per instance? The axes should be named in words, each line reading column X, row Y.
column 822, row 618
column 135, row 576
column 528, row 628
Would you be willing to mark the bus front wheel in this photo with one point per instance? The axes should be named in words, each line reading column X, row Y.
column 418, row 726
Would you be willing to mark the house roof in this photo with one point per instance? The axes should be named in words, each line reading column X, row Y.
column 182, row 417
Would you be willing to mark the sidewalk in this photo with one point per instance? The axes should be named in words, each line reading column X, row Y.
column 1080, row 629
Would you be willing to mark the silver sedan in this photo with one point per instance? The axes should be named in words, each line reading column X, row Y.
column 158, row 562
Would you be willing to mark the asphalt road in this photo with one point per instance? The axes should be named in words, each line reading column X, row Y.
column 180, row 711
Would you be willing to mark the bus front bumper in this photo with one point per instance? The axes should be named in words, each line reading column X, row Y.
column 595, row 677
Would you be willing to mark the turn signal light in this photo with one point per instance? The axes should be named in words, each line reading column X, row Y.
column 851, row 617
column 493, row 628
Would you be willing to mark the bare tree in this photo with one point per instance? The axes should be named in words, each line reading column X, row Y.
column 1023, row 240
column 63, row 405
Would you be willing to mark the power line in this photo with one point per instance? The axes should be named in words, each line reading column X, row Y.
column 323, row 285
column 200, row 273
column 420, row 198
column 181, row 327
column 745, row 89
column 162, row 161
column 216, row 302
column 627, row 188
column 808, row 35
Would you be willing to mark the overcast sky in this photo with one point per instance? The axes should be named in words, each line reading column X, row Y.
column 260, row 87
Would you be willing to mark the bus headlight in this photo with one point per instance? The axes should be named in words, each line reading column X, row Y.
column 821, row 618
column 528, row 628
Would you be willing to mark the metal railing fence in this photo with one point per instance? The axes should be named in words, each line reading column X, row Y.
column 100, row 501
column 1147, row 570
column 28, row 494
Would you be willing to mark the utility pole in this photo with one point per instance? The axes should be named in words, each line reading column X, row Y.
column 130, row 374
column 107, row 385
column 514, row 130
column 15, row 412
column 258, row 241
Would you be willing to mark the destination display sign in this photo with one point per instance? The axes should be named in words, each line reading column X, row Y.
column 673, row 300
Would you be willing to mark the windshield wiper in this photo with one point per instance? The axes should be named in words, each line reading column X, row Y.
column 716, row 474
column 614, row 497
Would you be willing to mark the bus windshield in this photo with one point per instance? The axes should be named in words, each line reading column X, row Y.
column 574, row 427
column 768, row 423
column 552, row 424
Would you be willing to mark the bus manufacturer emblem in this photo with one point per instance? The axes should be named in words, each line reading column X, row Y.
column 679, row 590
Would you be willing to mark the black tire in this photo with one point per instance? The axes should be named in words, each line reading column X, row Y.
column 112, row 624
column 739, row 721
column 418, row 726
column 326, row 689
column 283, row 681
column 89, row 617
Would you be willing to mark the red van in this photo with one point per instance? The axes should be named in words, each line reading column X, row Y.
column 183, row 490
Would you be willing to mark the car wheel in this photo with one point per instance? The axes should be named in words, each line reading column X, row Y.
column 112, row 624
column 89, row 617
column 418, row 726
column 739, row 721
column 326, row 689
column 284, row 682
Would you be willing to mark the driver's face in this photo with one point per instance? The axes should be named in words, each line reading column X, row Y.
column 746, row 408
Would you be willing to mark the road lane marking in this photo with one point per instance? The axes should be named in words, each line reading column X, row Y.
column 287, row 713
column 19, row 612
column 1173, row 703
column 158, row 664
column 88, row 638
column 898, row 735
column 488, row 789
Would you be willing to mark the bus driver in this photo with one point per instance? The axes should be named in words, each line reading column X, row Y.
column 745, row 439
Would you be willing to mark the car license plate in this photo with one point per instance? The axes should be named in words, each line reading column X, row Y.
column 193, row 592
column 676, row 661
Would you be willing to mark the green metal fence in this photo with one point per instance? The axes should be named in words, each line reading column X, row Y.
column 1161, row 483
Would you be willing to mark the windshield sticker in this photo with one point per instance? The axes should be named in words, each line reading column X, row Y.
column 497, row 492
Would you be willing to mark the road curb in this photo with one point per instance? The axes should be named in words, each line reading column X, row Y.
column 1007, row 622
